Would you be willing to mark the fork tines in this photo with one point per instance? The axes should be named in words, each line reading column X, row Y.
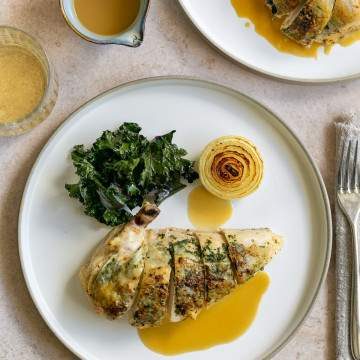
column 348, row 173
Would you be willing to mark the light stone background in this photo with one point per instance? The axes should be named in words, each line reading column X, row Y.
column 172, row 46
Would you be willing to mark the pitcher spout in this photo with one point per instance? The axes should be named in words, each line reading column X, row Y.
column 133, row 36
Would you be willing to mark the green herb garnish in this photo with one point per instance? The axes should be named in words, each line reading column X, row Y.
column 123, row 168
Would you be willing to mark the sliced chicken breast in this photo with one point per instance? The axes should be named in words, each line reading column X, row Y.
column 150, row 308
column 172, row 271
column 251, row 250
column 111, row 277
column 219, row 277
column 188, row 296
column 308, row 21
column 344, row 20
column 281, row 8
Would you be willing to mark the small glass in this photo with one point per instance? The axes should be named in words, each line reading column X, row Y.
column 10, row 36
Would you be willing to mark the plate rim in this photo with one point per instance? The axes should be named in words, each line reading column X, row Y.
column 143, row 81
column 256, row 70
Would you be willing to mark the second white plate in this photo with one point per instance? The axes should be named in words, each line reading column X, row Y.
column 55, row 237
column 219, row 23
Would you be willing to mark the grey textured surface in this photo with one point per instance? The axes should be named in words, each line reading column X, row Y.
column 172, row 46
column 348, row 128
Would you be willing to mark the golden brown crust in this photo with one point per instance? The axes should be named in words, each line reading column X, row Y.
column 345, row 19
column 280, row 8
column 308, row 21
column 251, row 250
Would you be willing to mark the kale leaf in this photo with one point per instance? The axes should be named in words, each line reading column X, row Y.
column 123, row 168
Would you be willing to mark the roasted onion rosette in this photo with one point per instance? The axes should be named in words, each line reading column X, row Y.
column 231, row 167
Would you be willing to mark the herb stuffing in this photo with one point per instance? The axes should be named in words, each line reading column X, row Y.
column 123, row 168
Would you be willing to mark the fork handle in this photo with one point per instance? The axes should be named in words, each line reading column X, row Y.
column 355, row 297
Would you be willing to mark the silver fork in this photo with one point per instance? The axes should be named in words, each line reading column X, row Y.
column 348, row 195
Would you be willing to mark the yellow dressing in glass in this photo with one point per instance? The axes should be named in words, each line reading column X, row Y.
column 235, row 313
column 106, row 17
column 260, row 15
column 22, row 83
column 207, row 211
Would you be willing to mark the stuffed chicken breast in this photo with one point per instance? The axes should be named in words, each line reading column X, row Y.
column 171, row 274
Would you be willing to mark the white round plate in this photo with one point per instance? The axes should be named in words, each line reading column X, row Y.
column 222, row 27
column 56, row 237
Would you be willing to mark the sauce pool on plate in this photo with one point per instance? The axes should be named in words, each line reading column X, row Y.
column 235, row 313
column 106, row 17
column 260, row 16
column 206, row 211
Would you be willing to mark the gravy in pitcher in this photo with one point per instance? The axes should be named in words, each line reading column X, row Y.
column 107, row 17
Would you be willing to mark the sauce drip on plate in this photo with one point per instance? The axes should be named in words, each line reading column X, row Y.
column 206, row 211
column 260, row 16
column 350, row 39
column 235, row 313
column 107, row 17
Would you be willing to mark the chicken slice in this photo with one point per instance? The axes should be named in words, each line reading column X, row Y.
column 150, row 308
column 112, row 275
column 344, row 20
column 219, row 278
column 281, row 8
column 251, row 250
column 188, row 294
column 308, row 21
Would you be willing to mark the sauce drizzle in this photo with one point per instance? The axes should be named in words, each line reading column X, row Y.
column 206, row 211
column 260, row 16
column 235, row 313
